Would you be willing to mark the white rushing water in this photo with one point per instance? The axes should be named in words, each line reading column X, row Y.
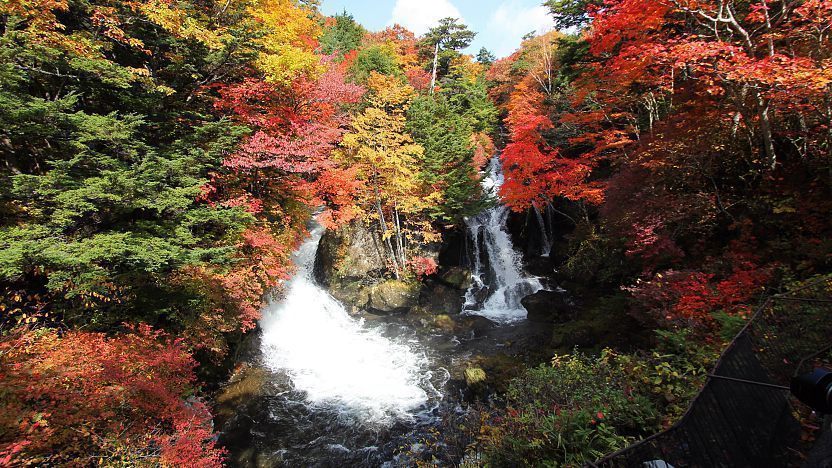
column 337, row 360
column 501, row 278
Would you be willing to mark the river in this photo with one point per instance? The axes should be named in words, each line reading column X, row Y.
column 323, row 388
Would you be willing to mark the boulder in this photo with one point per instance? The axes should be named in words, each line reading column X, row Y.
column 352, row 252
column 474, row 378
column 393, row 296
column 438, row 298
column 444, row 322
column 548, row 307
column 481, row 294
column 456, row 277
column 353, row 294
column 474, row 325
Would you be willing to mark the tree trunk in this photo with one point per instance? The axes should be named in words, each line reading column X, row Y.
column 765, row 130
column 399, row 238
column 435, row 64
column 383, row 225
column 386, row 238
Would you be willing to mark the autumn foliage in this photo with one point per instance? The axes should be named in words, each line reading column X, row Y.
column 535, row 173
column 161, row 161
column 72, row 397
column 677, row 133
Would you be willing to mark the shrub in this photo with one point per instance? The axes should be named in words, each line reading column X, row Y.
column 80, row 398
column 571, row 412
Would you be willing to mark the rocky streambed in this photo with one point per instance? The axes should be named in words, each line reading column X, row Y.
column 350, row 367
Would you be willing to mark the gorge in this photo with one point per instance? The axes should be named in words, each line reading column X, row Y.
column 260, row 233
column 341, row 387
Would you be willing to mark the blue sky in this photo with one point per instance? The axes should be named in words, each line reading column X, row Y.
column 500, row 24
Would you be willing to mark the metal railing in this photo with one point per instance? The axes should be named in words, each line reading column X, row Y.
column 743, row 415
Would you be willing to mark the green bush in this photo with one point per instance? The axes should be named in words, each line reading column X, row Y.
column 595, row 258
column 571, row 412
column 583, row 407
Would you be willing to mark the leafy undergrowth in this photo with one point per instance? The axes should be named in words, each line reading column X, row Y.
column 583, row 406
column 79, row 398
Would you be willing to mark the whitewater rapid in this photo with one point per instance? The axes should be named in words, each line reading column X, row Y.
column 337, row 361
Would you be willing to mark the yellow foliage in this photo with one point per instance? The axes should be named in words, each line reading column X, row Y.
column 379, row 145
column 178, row 22
column 287, row 63
column 388, row 92
column 289, row 38
column 465, row 67
column 41, row 25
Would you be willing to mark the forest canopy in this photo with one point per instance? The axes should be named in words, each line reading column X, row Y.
column 161, row 159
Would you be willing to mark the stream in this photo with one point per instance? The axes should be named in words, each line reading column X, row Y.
column 319, row 387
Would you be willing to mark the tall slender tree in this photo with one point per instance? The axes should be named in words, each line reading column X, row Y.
column 445, row 40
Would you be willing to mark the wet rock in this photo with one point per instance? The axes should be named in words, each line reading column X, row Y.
column 246, row 382
column 481, row 294
column 439, row 298
column 354, row 294
column 475, row 378
column 473, row 324
column 548, row 307
column 444, row 322
column 349, row 253
column 393, row 296
column 456, row 277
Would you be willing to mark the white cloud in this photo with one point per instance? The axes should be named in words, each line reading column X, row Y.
column 421, row 15
column 511, row 21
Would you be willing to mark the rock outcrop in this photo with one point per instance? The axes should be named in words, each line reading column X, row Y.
column 444, row 293
column 548, row 307
column 348, row 254
column 352, row 263
column 392, row 296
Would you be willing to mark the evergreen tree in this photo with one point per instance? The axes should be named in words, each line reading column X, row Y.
column 571, row 13
column 344, row 36
column 447, row 162
column 101, row 207
column 468, row 96
column 485, row 57
column 443, row 42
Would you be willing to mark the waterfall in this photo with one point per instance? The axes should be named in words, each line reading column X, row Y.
column 337, row 361
column 545, row 241
column 499, row 283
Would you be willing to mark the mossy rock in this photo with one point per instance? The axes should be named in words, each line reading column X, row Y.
column 350, row 252
column 456, row 277
column 475, row 378
column 352, row 293
column 393, row 296
column 444, row 322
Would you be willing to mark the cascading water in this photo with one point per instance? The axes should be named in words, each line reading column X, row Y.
column 326, row 389
column 499, row 283
column 545, row 241
column 336, row 361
